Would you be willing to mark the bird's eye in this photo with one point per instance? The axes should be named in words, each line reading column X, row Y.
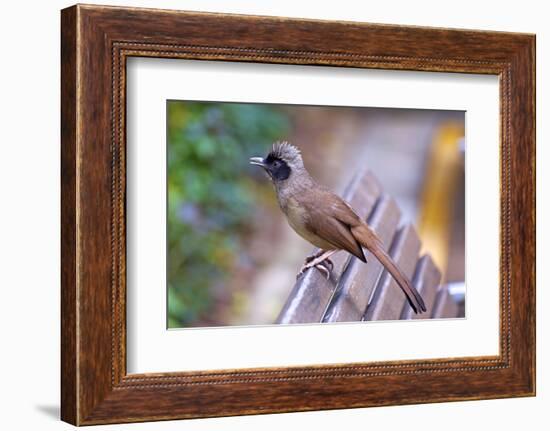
column 276, row 163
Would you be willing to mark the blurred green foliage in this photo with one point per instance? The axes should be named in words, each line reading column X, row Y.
column 210, row 195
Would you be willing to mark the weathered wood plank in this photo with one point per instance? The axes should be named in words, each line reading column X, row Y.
column 426, row 280
column 388, row 300
column 445, row 307
column 311, row 294
column 359, row 279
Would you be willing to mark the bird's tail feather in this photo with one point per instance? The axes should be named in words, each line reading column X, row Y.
column 372, row 243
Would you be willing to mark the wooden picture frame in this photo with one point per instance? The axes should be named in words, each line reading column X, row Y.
column 95, row 43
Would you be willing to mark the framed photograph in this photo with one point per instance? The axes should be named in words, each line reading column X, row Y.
column 329, row 214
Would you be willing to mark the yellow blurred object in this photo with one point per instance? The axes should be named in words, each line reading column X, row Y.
column 439, row 192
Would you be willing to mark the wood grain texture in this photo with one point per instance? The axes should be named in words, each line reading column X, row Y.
column 69, row 395
column 96, row 41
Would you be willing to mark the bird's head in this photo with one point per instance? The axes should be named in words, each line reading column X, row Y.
column 282, row 160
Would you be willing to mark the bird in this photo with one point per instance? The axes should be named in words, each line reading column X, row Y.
column 324, row 219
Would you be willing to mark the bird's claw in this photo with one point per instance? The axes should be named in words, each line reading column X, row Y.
column 326, row 266
column 321, row 267
column 329, row 263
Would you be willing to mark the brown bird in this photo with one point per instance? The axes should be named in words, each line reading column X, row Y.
column 324, row 219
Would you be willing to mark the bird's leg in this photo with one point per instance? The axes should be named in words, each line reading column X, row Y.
column 320, row 261
column 313, row 256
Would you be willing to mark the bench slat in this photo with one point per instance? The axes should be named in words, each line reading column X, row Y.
column 311, row 294
column 359, row 279
column 426, row 280
column 388, row 300
column 445, row 306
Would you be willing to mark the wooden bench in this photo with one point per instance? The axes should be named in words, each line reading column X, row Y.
column 357, row 291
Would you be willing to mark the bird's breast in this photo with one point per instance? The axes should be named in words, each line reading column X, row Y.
column 297, row 217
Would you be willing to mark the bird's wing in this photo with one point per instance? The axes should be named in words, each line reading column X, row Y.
column 333, row 223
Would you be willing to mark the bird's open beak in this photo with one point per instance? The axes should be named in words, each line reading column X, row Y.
column 257, row 161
